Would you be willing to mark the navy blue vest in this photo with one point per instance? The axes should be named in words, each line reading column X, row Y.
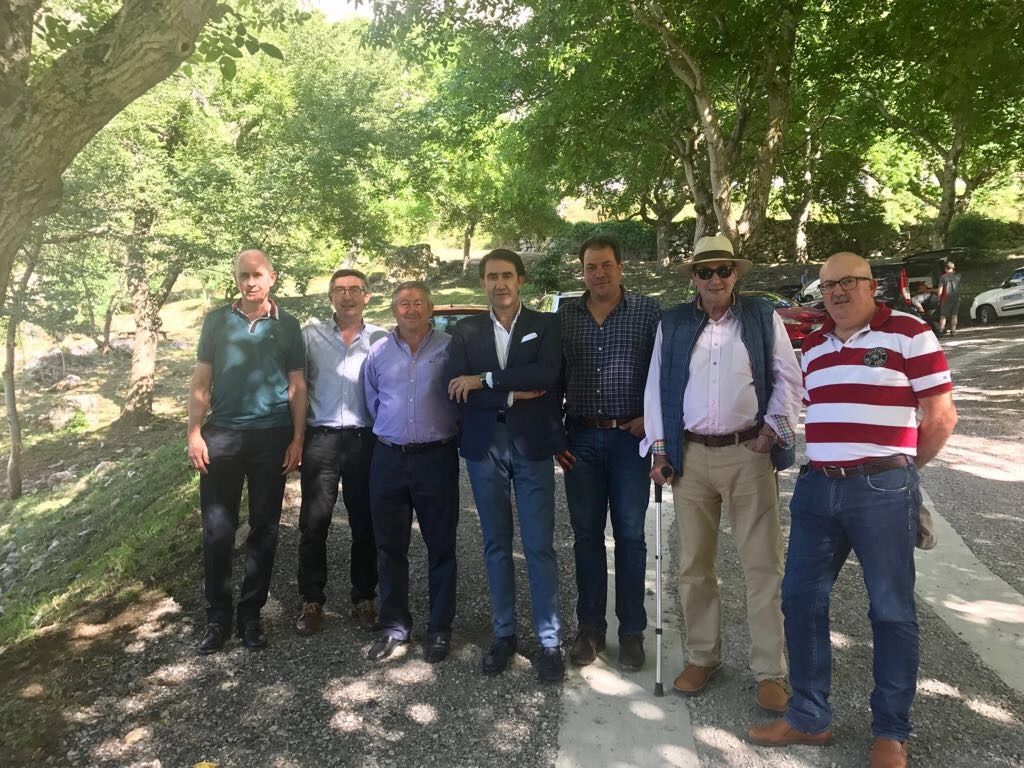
column 680, row 327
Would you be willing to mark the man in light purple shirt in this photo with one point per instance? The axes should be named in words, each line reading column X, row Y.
column 415, row 468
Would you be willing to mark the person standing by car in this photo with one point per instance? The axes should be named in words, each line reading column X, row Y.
column 338, row 444
column 607, row 338
column 503, row 371
column 949, row 306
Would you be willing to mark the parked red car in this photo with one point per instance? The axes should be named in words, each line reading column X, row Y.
column 799, row 320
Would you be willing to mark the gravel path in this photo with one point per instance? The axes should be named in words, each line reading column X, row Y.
column 317, row 701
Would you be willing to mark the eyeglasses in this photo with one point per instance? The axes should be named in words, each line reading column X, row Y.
column 847, row 283
column 342, row 290
column 705, row 273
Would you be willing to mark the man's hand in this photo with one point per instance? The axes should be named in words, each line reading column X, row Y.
column 565, row 460
column 292, row 456
column 635, row 427
column 764, row 441
column 460, row 387
column 658, row 474
column 528, row 394
column 198, row 455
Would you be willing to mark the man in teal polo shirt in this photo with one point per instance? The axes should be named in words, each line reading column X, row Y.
column 251, row 379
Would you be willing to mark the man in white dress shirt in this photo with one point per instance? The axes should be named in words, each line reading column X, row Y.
column 721, row 401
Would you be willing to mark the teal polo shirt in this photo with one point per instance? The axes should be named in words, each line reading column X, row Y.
column 250, row 362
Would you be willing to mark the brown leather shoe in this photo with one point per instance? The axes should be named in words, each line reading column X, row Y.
column 694, row 679
column 310, row 619
column 588, row 643
column 772, row 695
column 779, row 733
column 365, row 613
column 888, row 753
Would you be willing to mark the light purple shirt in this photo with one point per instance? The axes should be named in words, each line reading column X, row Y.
column 407, row 394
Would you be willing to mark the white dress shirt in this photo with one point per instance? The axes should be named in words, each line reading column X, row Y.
column 502, row 341
column 720, row 397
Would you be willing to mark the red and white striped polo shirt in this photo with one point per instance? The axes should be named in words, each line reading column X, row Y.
column 862, row 395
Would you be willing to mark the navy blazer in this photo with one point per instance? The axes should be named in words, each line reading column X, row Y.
column 534, row 362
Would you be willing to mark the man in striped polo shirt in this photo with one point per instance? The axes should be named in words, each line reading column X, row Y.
column 867, row 371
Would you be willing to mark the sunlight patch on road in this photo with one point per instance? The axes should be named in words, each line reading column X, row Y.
column 424, row 714
column 839, row 640
column 986, row 611
column 932, row 687
column 984, row 457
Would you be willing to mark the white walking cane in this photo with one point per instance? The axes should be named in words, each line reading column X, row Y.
column 659, row 689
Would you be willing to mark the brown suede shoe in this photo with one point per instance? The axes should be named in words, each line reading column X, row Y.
column 694, row 679
column 888, row 753
column 772, row 696
column 310, row 619
column 365, row 613
column 779, row 733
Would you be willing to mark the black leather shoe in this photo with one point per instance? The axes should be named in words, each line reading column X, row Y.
column 588, row 643
column 497, row 656
column 550, row 667
column 383, row 647
column 631, row 653
column 213, row 639
column 252, row 634
column 436, row 648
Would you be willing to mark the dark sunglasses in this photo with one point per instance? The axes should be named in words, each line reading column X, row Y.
column 705, row 273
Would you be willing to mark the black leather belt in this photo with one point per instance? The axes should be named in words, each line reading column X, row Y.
column 337, row 430
column 614, row 423
column 720, row 441
column 415, row 447
column 861, row 470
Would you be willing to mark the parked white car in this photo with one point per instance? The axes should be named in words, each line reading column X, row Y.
column 1005, row 301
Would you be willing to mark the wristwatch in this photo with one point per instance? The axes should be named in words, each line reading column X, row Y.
column 483, row 380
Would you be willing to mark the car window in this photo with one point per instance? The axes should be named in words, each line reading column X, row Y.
column 1017, row 278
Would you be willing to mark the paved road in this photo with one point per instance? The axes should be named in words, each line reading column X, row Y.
column 151, row 702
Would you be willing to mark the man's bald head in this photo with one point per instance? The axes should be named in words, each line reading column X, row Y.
column 254, row 276
column 252, row 256
column 844, row 263
column 848, row 290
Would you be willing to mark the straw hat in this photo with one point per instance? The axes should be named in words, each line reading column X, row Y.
column 714, row 248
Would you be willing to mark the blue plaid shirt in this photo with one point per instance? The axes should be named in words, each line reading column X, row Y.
column 606, row 365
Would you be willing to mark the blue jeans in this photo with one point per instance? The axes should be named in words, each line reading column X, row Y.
column 877, row 517
column 609, row 473
column 493, row 479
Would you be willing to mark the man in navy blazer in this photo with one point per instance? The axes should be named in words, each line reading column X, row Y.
column 503, row 369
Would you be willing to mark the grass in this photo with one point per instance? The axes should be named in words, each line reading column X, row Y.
column 123, row 526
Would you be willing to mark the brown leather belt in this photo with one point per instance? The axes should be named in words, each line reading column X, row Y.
column 861, row 470
column 720, row 441
column 615, row 423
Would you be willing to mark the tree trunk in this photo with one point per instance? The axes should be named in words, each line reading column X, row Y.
column 46, row 121
column 467, row 242
column 800, row 246
column 14, row 464
column 108, row 320
column 947, row 204
column 700, row 227
column 138, row 406
column 662, row 230
column 759, row 183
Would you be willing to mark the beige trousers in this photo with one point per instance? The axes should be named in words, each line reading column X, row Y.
column 745, row 483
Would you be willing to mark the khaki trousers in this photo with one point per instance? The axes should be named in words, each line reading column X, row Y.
column 746, row 484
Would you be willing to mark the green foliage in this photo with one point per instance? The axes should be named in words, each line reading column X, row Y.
column 973, row 230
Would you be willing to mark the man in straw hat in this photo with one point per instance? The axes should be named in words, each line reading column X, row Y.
column 721, row 401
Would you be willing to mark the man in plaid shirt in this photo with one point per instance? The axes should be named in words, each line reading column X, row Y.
column 607, row 338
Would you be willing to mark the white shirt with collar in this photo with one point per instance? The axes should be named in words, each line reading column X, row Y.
column 502, row 342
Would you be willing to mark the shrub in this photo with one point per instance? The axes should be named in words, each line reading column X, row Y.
column 972, row 230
